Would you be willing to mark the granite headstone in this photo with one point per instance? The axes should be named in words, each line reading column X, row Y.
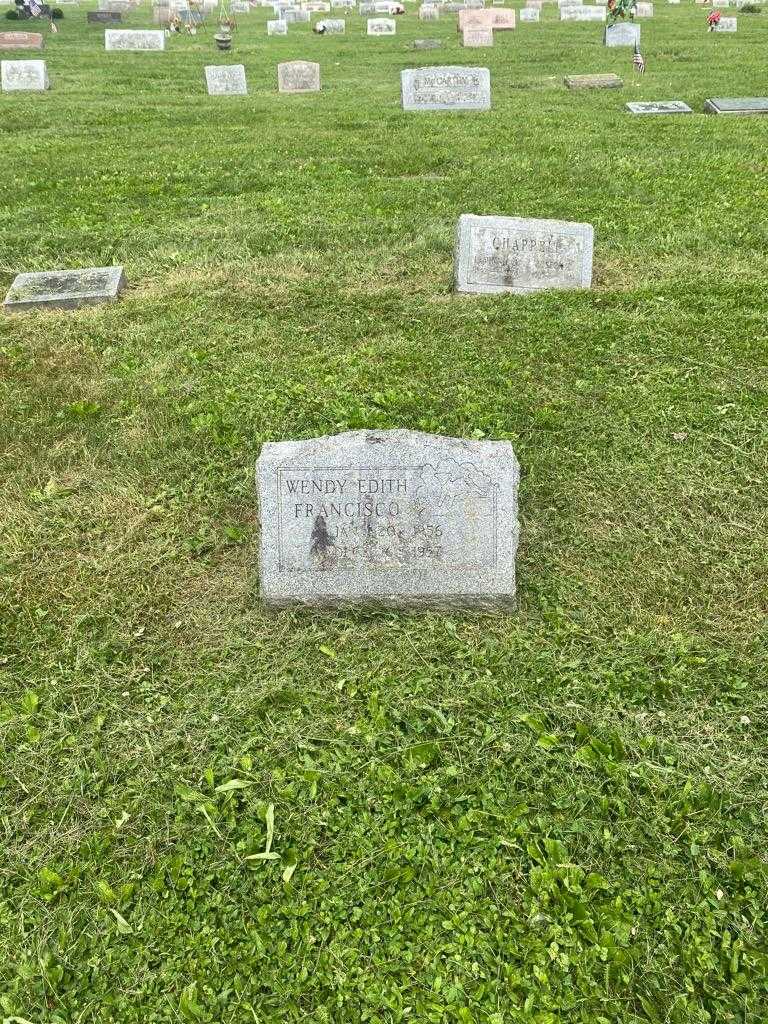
column 134, row 39
column 446, row 88
column 298, row 76
column 23, row 76
column 394, row 517
column 226, row 80
column 521, row 255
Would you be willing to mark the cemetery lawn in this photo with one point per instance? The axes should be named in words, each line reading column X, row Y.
column 554, row 817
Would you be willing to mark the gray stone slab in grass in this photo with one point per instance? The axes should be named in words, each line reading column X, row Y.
column 737, row 105
column 446, row 88
column 666, row 107
column 521, row 255
column 393, row 517
column 65, row 289
column 593, row 82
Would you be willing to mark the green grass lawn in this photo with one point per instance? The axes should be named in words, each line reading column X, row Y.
column 556, row 817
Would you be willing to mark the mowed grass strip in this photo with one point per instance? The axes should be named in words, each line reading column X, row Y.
column 211, row 814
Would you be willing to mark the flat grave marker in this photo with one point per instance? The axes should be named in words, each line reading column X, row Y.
column 391, row 517
column 665, row 107
column 530, row 14
column 726, row 25
column 65, row 289
column 737, row 105
column 593, row 81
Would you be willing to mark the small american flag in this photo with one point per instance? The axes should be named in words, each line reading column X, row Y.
column 638, row 61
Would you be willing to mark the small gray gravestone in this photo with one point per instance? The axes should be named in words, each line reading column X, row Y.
column 530, row 14
column 643, row 10
column 477, row 37
column 521, row 255
column 226, row 80
column 429, row 14
column 134, row 39
column 622, row 34
column 593, row 82
column 331, row 27
column 725, row 25
column 104, row 17
column 393, row 517
column 23, row 76
column 426, row 44
column 365, row 9
column 446, row 88
column 382, row 26
column 277, row 28
column 65, row 289
column 740, row 105
column 298, row 76
column 667, row 107
column 21, row 41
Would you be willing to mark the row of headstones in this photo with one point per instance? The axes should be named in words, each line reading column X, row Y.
column 431, row 88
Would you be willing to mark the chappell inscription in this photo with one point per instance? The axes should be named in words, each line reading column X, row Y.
column 521, row 255
column 392, row 517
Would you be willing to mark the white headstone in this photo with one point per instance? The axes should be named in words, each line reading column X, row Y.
column 477, row 37
column 23, row 76
column 582, row 13
column 298, row 76
column 623, row 33
column 134, row 39
column 331, row 27
column 530, row 14
column 226, row 80
column 391, row 517
column 521, row 255
column 446, row 88
column 726, row 25
column 277, row 28
column 382, row 26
